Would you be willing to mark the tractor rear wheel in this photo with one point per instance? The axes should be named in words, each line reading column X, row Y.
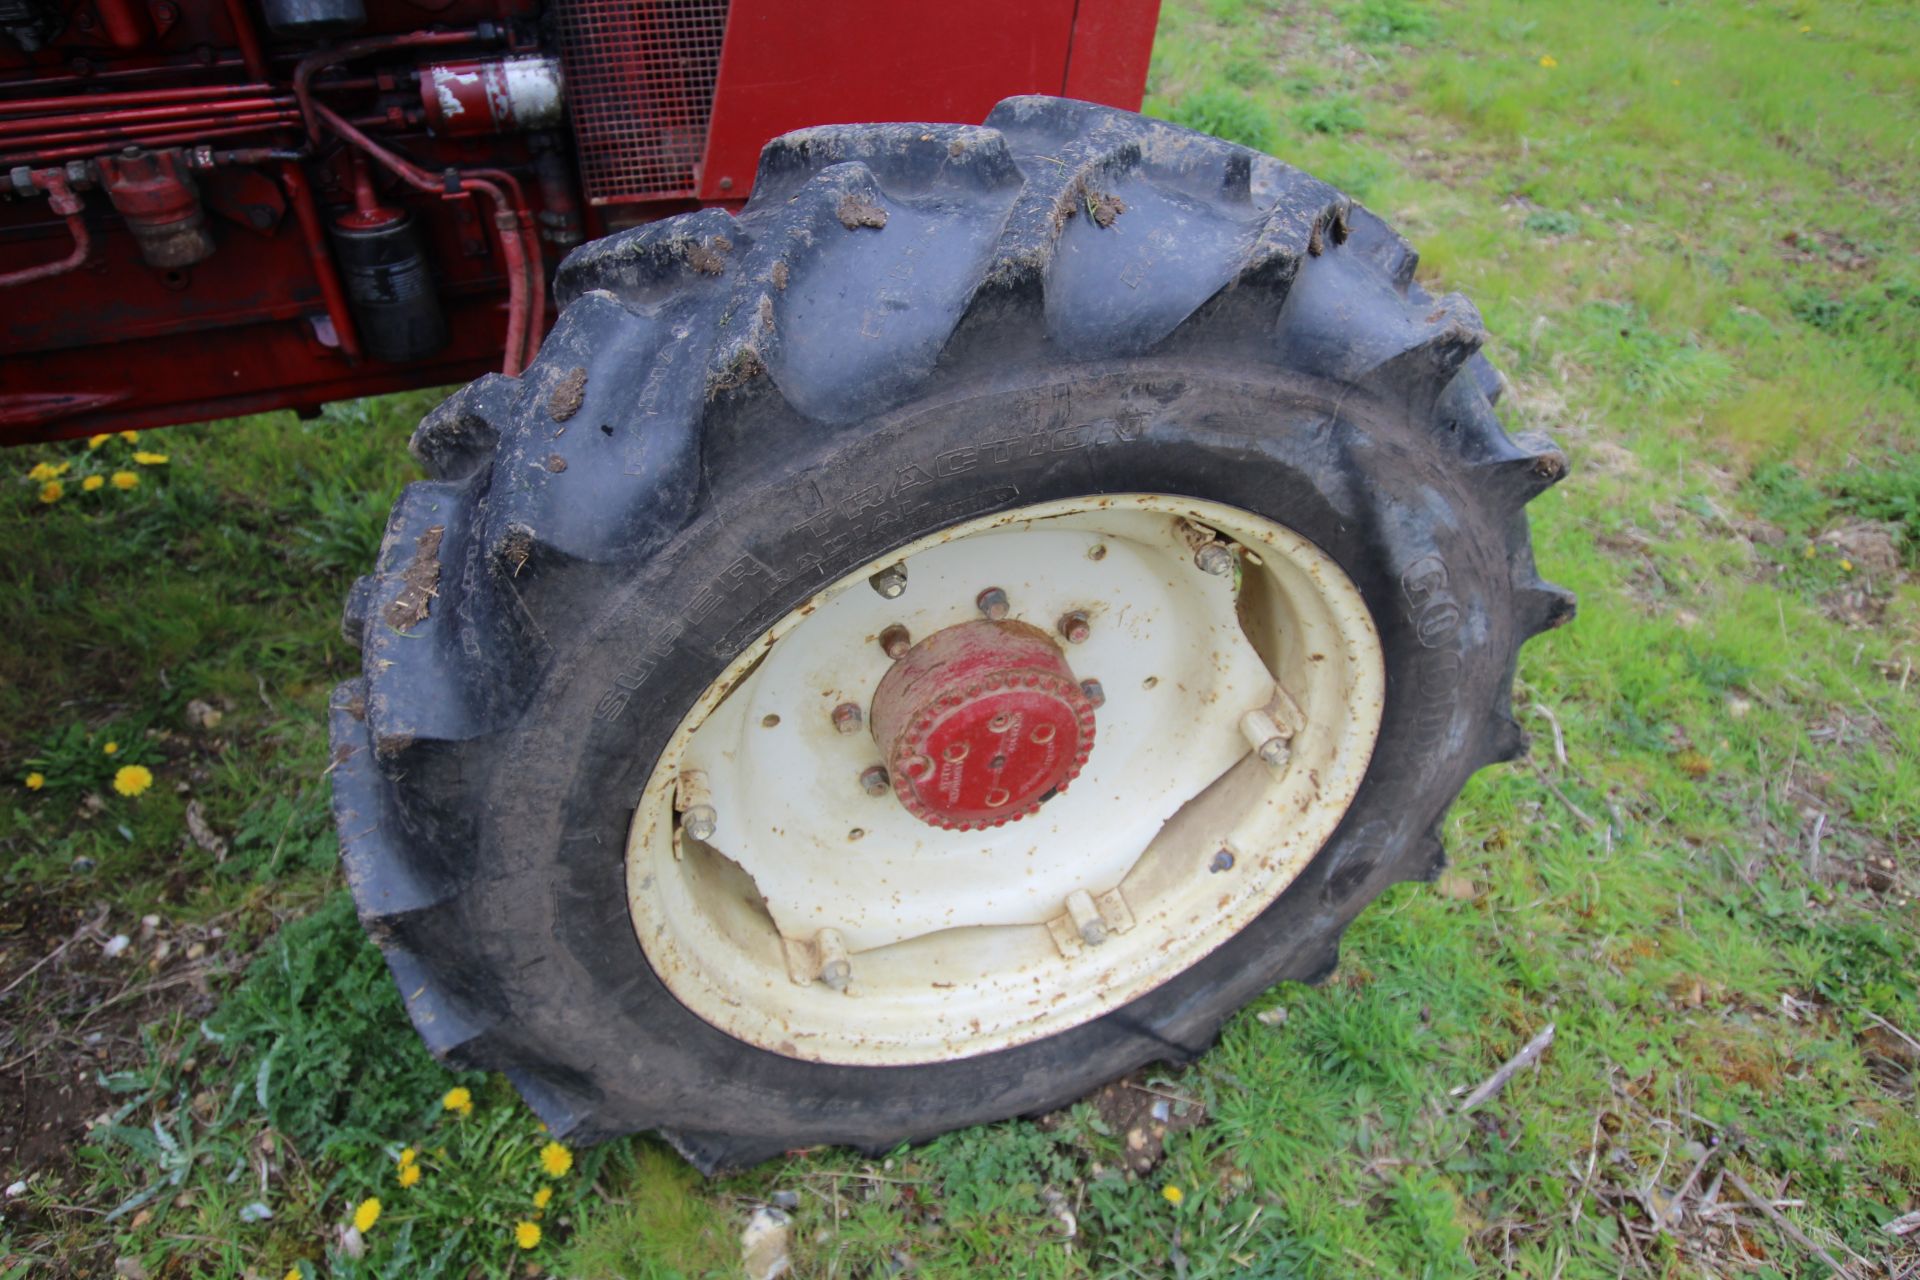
column 933, row 643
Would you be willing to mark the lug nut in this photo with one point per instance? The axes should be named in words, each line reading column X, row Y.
column 1095, row 691
column 836, row 967
column 847, row 717
column 699, row 821
column 1267, row 738
column 1075, row 627
column 1215, row 559
column 993, row 603
column 874, row 780
column 890, row 582
column 1086, row 918
column 895, row 641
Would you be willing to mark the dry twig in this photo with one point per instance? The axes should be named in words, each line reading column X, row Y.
column 1785, row 1224
column 1559, row 738
column 1586, row 819
column 1529, row 1053
column 58, row 951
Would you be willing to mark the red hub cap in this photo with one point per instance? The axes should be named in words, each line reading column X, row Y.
column 981, row 723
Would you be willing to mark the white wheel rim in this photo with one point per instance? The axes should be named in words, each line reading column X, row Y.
column 955, row 943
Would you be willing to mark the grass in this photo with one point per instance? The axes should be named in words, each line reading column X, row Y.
column 1690, row 230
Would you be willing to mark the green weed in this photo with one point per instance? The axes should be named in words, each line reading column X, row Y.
column 1224, row 114
column 1329, row 115
column 1889, row 492
column 1389, row 22
column 315, row 1018
column 1550, row 222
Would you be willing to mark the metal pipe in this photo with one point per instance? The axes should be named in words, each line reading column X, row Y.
column 180, row 111
column 133, row 98
column 67, row 205
column 252, row 52
column 107, row 138
column 325, row 273
column 171, row 70
column 53, row 155
column 535, row 261
column 125, row 22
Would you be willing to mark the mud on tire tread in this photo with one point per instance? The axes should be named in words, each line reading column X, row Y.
column 709, row 364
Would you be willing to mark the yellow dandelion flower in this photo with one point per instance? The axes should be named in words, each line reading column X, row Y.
column 146, row 459
column 1173, row 1195
column 131, row 437
column 1808, row 553
column 366, row 1215
column 94, row 442
column 293, row 1273
column 526, row 1234
column 111, row 749
column 458, row 1100
column 407, row 1156
column 52, row 491
column 408, row 1175
column 35, row 781
column 543, row 1197
column 1548, row 61
column 92, row 483
column 132, row 779
column 47, row 471
column 125, row 479
column 1805, row 29
column 1846, row 566
column 555, row 1159
column 1674, row 83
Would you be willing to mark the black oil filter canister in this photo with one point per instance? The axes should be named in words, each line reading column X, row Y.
column 388, row 285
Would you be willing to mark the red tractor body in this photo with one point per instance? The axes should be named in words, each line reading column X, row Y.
column 218, row 207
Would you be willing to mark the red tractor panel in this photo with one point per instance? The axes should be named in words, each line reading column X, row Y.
column 219, row 207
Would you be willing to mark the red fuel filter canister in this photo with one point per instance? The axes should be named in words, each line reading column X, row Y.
column 155, row 194
column 498, row 95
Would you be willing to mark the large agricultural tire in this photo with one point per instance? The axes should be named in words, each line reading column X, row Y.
column 1152, row 339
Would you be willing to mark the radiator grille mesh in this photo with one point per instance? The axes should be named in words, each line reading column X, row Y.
column 640, row 80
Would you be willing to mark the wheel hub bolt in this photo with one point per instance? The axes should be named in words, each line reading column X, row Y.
column 993, row 603
column 1095, row 691
column 895, row 641
column 874, row 780
column 890, row 582
column 1086, row 918
column 1075, row 627
column 700, row 821
column 1269, row 740
column 836, row 966
column 847, row 717
column 1215, row 559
